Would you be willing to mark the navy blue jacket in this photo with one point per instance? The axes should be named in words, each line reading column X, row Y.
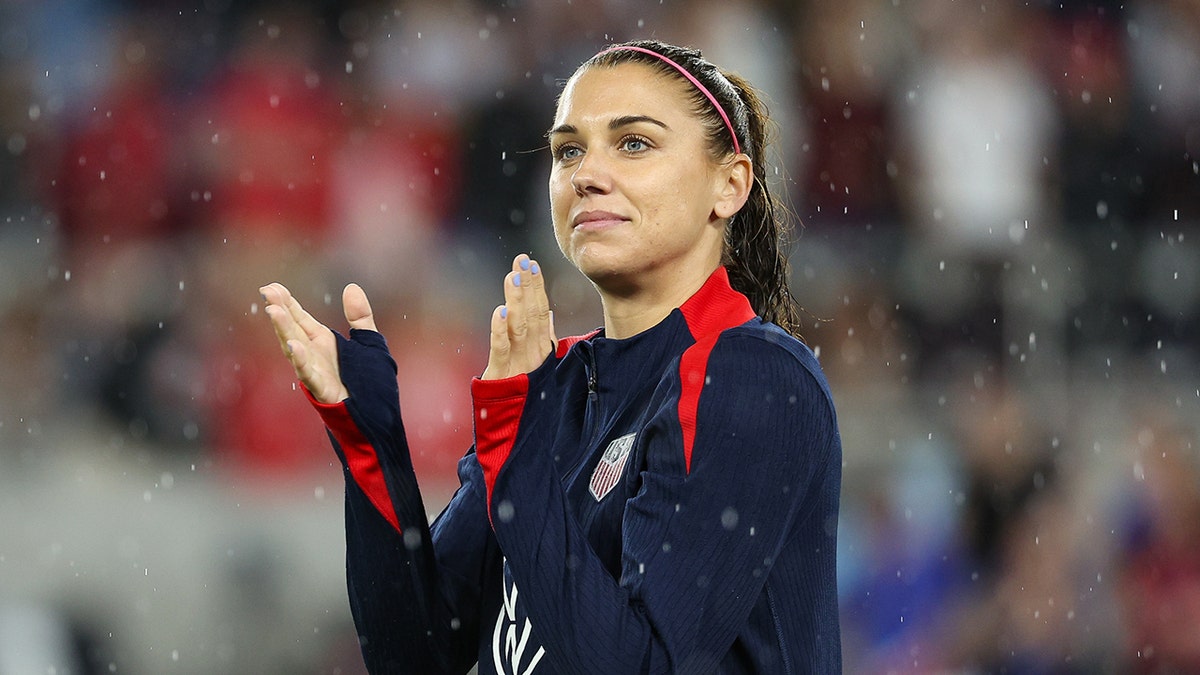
column 665, row 503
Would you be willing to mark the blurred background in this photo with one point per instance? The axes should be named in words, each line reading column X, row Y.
column 999, row 259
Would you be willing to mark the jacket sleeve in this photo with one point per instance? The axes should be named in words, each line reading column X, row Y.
column 699, row 536
column 415, row 591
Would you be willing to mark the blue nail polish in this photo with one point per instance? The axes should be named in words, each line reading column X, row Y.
column 517, row 279
column 524, row 263
column 503, row 312
column 535, row 268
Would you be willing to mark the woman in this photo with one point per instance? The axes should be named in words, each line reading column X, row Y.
column 658, row 496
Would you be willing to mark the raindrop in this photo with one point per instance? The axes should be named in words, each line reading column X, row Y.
column 412, row 539
column 504, row 511
column 729, row 518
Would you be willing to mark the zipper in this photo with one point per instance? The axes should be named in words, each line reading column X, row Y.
column 592, row 411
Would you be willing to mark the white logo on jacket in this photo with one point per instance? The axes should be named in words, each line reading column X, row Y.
column 611, row 466
column 509, row 643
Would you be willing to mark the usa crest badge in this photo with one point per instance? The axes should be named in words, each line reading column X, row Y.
column 611, row 466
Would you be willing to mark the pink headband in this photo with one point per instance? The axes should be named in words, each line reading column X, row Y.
column 737, row 148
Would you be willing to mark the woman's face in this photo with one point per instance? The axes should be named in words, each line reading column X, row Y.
column 633, row 185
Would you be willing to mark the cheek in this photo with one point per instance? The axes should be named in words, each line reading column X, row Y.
column 560, row 199
column 560, row 205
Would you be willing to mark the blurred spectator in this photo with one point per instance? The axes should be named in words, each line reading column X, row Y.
column 1165, row 57
column 1101, row 169
column 263, row 147
column 1160, row 566
column 849, row 55
column 975, row 126
column 117, row 192
column 28, row 240
column 902, row 569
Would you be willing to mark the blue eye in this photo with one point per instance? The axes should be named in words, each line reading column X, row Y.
column 634, row 144
column 566, row 151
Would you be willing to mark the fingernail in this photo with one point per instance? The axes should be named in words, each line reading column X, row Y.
column 535, row 268
column 524, row 263
column 517, row 279
column 503, row 312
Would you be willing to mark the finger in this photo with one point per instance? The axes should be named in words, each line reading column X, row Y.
column 298, row 355
column 538, row 306
column 285, row 326
column 514, row 302
column 499, row 352
column 311, row 327
column 521, row 263
column 357, row 309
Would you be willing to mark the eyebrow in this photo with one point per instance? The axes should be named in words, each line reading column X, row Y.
column 613, row 124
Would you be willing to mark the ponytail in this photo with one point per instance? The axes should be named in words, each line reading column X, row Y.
column 756, row 237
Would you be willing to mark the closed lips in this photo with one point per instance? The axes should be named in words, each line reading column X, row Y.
column 597, row 217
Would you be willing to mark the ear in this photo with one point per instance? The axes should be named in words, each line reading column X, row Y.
column 736, row 178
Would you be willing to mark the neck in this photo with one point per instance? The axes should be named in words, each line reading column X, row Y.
column 631, row 310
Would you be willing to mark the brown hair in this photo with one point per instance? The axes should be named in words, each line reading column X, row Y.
column 755, row 237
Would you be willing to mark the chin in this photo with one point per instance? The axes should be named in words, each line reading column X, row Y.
column 612, row 275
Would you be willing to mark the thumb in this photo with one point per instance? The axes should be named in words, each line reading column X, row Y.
column 356, row 308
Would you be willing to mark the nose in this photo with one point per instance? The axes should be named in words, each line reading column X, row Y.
column 591, row 176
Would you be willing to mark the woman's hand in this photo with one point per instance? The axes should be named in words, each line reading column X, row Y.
column 310, row 346
column 523, row 327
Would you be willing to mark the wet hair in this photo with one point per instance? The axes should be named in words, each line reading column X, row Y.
column 756, row 236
